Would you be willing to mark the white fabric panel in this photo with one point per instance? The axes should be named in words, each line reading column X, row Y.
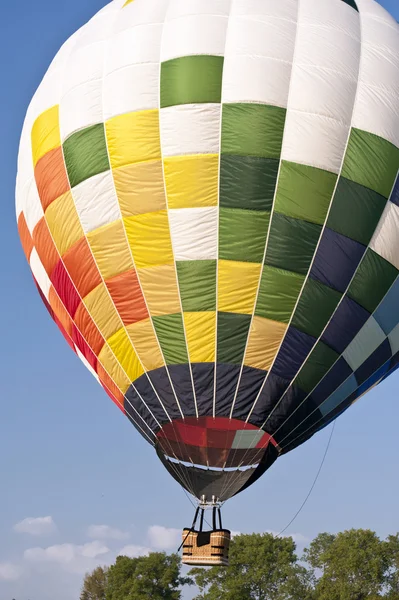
column 80, row 108
column 99, row 28
column 141, row 13
column 194, row 34
column 86, row 363
column 134, row 46
column 32, row 206
column 394, row 339
column 377, row 107
column 190, row 129
column 244, row 80
column 83, row 65
column 25, row 161
column 130, row 89
column 39, row 273
column 182, row 8
column 96, row 201
column 47, row 95
column 323, row 85
column 270, row 37
column 194, row 233
column 314, row 140
column 385, row 240
column 256, row 9
column 367, row 340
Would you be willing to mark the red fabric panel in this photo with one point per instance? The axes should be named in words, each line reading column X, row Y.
column 45, row 247
column 44, row 299
column 65, row 288
column 24, row 234
column 129, row 301
column 84, row 348
column 79, row 263
column 51, row 177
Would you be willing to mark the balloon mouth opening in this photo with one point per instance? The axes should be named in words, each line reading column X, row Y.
column 218, row 444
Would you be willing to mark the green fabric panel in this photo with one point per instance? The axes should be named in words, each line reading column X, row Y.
column 371, row 161
column 252, row 129
column 191, row 80
column 247, row 182
column 373, row 279
column 355, row 211
column 197, row 283
column 291, row 243
column 242, row 234
column 170, row 332
column 316, row 366
column 278, row 294
column 304, row 192
column 351, row 3
column 232, row 335
column 315, row 307
column 86, row 154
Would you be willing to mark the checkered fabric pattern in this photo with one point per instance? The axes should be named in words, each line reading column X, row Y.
column 208, row 199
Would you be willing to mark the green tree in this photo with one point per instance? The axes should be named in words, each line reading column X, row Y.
column 156, row 576
column 261, row 567
column 392, row 583
column 95, row 584
column 352, row 565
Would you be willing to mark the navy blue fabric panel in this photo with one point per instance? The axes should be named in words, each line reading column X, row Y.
column 161, row 383
column 226, row 385
column 204, row 377
column 380, row 356
column 375, row 378
column 294, row 349
column 336, row 260
column 183, row 386
column 395, row 193
column 299, row 417
column 334, row 378
column 393, row 366
column 249, row 388
column 271, row 393
column 135, row 422
column 387, row 314
column 347, row 321
column 133, row 403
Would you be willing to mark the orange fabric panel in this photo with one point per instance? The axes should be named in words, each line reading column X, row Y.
column 88, row 329
column 60, row 311
column 25, row 236
column 51, row 177
column 45, row 246
column 127, row 296
column 108, row 383
column 80, row 264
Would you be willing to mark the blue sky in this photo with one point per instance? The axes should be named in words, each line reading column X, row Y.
column 73, row 466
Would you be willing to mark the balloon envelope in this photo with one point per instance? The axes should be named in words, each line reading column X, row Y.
column 206, row 196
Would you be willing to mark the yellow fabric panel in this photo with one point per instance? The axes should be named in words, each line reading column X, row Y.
column 111, row 249
column 102, row 311
column 122, row 347
column 45, row 133
column 149, row 239
column 264, row 340
column 127, row 2
column 146, row 344
column 201, row 336
column 159, row 286
column 113, row 368
column 140, row 188
column 63, row 221
column 237, row 286
column 133, row 137
column 192, row 181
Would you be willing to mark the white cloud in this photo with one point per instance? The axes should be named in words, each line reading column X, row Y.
column 36, row 526
column 71, row 557
column 134, row 551
column 163, row 538
column 104, row 532
column 10, row 572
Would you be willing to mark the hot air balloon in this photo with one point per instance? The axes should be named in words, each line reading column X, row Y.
column 208, row 199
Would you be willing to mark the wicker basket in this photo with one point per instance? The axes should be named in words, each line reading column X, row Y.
column 206, row 548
